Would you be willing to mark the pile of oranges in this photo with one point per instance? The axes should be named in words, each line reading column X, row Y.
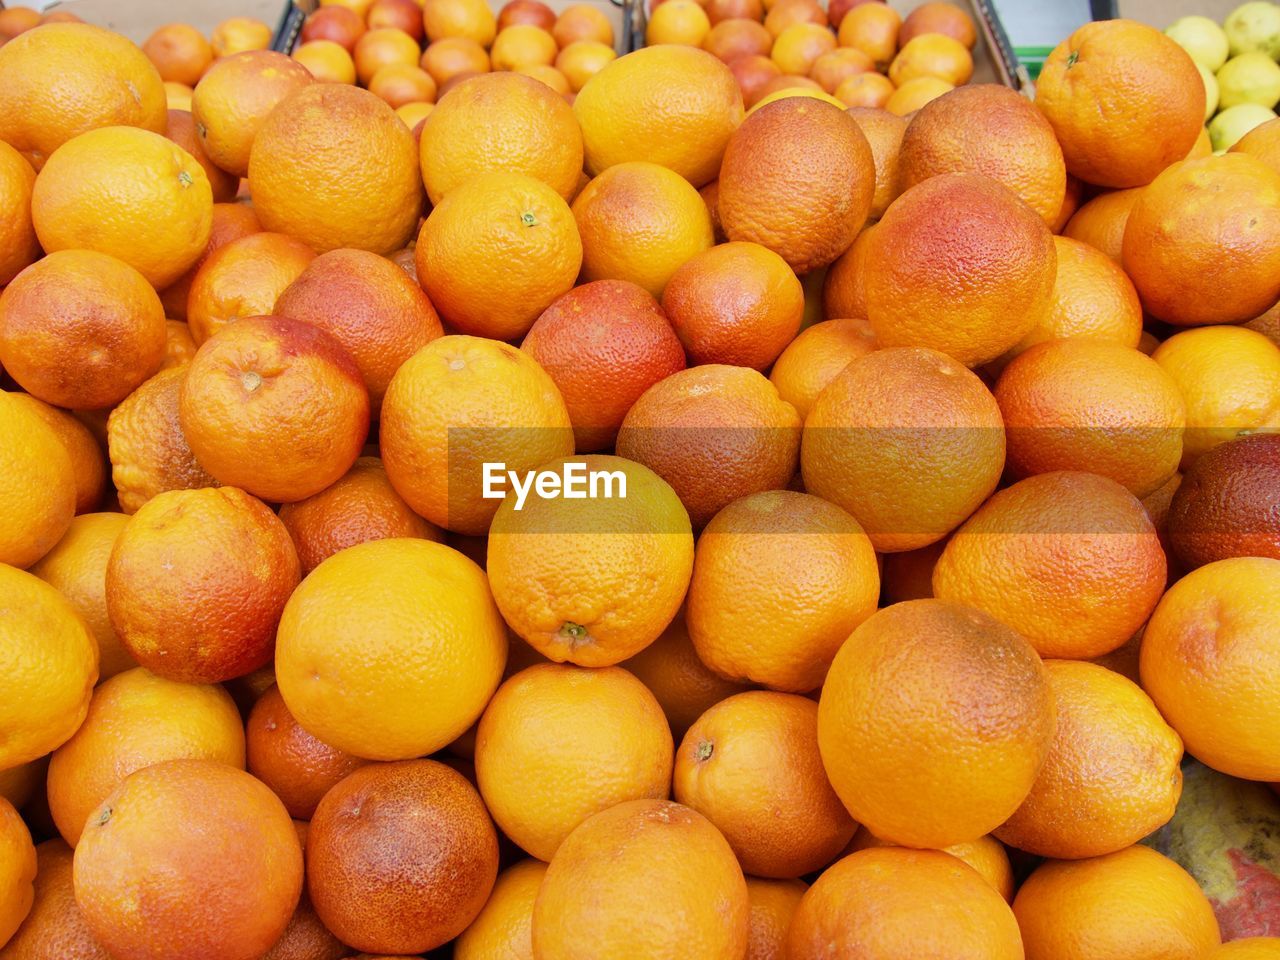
column 933, row 522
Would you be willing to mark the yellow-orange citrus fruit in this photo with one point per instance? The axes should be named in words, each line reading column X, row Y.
column 1134, row 903
column 496, row 252
column 19, row 246
column 908, row 442
column 82, row 447
column 403, row 83
column 407, row 631
column 773, row 904
column 335, row 167
column 558, row 744
column 458, row 403
column 595, row 582
column 1111, row 776
column 814, row 358
column 17, row 871
column 672, row 105
column 884, row 132
column 844, row 288
column 798, row 46
column 224, row 832
column 180, row 53
column 275, row 406
column 381, row 48
column 1092, row 405
column 798, row 178
column 874, row 31
column 582, row 60
column 884, row 902
column 467, row 19
column 932, row 55
column 182, row 131
column 80, row 329
column 986, row 855
column 653, row 856
column 865, row 90
column 1101, row 222
column 522, row 45
column 177, row 559
column 934, row 721
column 678, row 21
column 1124, row 100
column 1263, row 142
column 55, row 926
column 503, row 927
column 243, row 278
column 789, row 825
column 1208, row 662
column 942, row 18
column 1004, row 290
column 237, row 35
column 715, row 433
column 453, row 57
column 1202, row 243
column 178, row 97
column 788, row 86
column 327, row 61
column 780, row 580
column 836, row 66
column 136, row 719
column 101, row 79
column 1250, row 948
column 582, row 21
column 77, row 568
column 231, row 221
column 915, row 94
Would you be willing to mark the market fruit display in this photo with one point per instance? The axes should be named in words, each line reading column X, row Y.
column 496, row 482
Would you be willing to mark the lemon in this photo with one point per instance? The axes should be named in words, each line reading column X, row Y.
column 1210, row 91
column 1249, row 78
column 1254, row 28
column 1234, row 122
column 1204, row 41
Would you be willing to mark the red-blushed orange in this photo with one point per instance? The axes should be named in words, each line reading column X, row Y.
column 815, row 357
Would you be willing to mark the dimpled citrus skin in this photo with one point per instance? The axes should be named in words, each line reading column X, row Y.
column 17, row 870
column 890, row 903
column 592, row 581
column 54, row 927
column 81, row 445
column 37, row 485
column 44, row 694
column 559, row 743
column 502, row 930
column 933, row 722
column 986, row 855
column 773, row 904
column 390, row 649
column 242, row 277
column 814, row 358
column 18, row 244
column 653, row 859
column 1250, row 948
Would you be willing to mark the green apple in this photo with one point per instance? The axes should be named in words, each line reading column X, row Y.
column 1234, row 122
column 1254, row 28
column 1204, row 41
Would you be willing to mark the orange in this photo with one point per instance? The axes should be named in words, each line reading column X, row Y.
column 173, row 565
column 844, row 288
column 788, row 825
column 370, row 306
column 1007, row 284
column 788, row 13
column 501, row 122
column 298, row 768
column 816, row 357
column 77, row 568
column 582, row 60
column 460, row 402
column 497, row 251
column 799, row 46
column 1135, row 904
column 54, row 927
column 908, row 442
column 274, row 406
column 129, row 193
column 16, row 20
column 180, row 52
column 80, row 329
column 243, row 278
column 17, row 870
column 730, row 39
column 640, row 222
column 336, row 168
column 466, row 19
column 380, row 48
column 412, row 115
column 1202, row 243
column 836, row 66
column 225, row 871
column 754, row 74
column 915, row 94
column 533, row 12
column 1263, row 142
column 502, row 928
column 103, row 79
column 1250, row 948
column 884, row 132
column 1092, row 299
column 149, row 452
column 986, row 855
column 737, row 303
column 137, row 719
column 582, row 21
column 603, row 343
column 1069, row 560
column 305, row 938
column 678, row 21
column 1124, row 100
column 1092, row 405
column 18, row 244
column 1071, row 201
column 670, row 105
column 684, row 686
column 1101, row 222
column 359, row 507
column 400, row 83
column 720, row 10
column 592, row 583
column 873, row 29
column 559, row 743
column 1267, row 324
column 182, row 131
column 649, row 858
column 798, row 178
column 865, row 90
column 231, row 221
column 239, row 35
column 1229, row 379
column 453, row 57
column 81, row 446
column 933, row 723
column 1111, row 776
column 787, row 86
column 426, row 888
column 1209, row 664
column 407, row 631
column 715, row 433
column 991, row 130
column 931, row 55
column 780, row 580
column 233, row 100
column 340, row 25
column 936, row 18
column 327, row 61
column 886, row 902
column 773, row 904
